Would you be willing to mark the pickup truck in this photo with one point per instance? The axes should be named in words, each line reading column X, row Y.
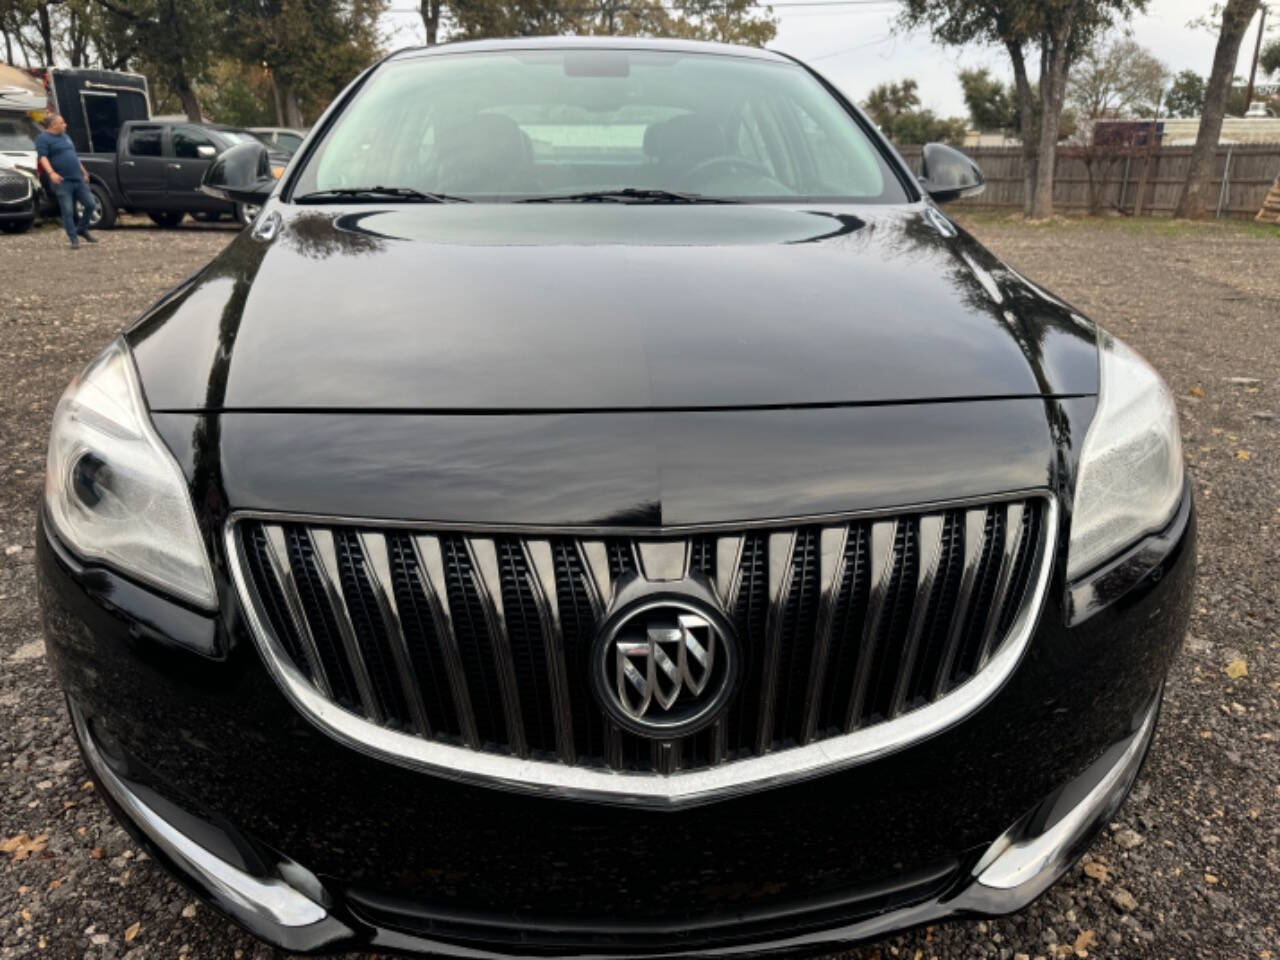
column 157, row 168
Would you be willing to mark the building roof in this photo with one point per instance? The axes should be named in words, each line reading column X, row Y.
column 1182, row 130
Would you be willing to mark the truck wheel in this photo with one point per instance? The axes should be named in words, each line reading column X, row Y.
column 16, row 226
column 104, row 211
column 168, row 218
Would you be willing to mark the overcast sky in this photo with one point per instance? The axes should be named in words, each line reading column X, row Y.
column 856, row 46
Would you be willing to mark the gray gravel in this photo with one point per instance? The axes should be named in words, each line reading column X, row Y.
column 1190, row 869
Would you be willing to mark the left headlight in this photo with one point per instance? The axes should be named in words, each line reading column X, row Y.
column 1131, row 473
column 114, row 493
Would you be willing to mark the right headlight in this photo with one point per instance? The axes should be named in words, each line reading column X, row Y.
column 1131, row 473
column 113, row 491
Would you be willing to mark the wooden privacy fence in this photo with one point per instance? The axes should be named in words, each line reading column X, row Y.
column 1130, row 180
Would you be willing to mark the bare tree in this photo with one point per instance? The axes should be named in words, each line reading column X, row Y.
column 1236, row 15
column 1116, row 77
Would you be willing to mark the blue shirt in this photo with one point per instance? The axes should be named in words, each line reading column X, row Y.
column 61, row 153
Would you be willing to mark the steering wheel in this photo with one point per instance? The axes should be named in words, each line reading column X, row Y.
column 731, row 161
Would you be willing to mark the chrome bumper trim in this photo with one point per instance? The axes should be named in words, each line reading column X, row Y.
column 1041, row 846
column 269, row 900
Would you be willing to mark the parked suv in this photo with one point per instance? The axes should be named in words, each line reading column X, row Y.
column 283, row 139
column 157, row 169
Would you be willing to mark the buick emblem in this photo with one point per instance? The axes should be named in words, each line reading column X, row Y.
column 665, row 667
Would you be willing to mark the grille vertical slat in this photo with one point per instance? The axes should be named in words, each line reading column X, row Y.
column 525, row 635
column 426, row 649
column 320, row 616
column 799, row 624
column 975, row 522
column 278, row 552
column 1022, row 570
column 577, row 603
column 983, row 593
column 1012, row 531
column 323, row 547
column 845, row 630
column 487, row 580
column 831, row 568
column 728, row 577
column 781, row 573
column 594, row 555
column 371, row 640
column 883, row 535
column 930, row 552
column 378, row 558
column 487, row 640
column 946, row 588
column 542, row 569
column 431, row 568
column 749, row 621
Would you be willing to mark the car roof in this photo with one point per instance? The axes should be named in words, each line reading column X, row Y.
column 591, row 43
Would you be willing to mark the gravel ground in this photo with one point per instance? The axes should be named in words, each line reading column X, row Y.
column 1190, row 869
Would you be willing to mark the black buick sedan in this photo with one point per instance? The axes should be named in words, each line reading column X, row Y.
column 602, row 506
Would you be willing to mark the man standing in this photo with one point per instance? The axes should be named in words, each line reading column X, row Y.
column 58, row 158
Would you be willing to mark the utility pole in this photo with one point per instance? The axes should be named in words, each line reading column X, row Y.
column 1257, row 51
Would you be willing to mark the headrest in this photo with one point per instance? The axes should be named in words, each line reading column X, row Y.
column 684, row 140
column 483, row 151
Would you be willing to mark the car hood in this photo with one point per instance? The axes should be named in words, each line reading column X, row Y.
column 500, row 307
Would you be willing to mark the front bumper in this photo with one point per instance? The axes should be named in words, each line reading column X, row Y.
column 19, row 211
column 312, row 845
column 291, row 908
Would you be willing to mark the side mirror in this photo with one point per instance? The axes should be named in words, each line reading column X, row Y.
column 205, row 152
column 241, row 174
column 947, row 174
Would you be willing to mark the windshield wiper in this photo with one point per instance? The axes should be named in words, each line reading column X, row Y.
column 628, row 195
column 407, row 194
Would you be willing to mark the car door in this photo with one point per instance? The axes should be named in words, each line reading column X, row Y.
column 141, row 165
column 189, row 152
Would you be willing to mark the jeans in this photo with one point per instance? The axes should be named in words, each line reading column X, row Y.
column 69, row 192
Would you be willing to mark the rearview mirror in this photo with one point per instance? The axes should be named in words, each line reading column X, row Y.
column 241, row 174
column 947, row 174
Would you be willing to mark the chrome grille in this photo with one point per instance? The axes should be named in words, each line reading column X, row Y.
column 479, row 641
column 14, row 187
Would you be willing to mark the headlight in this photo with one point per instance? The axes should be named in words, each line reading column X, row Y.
column 112, row 490
column 1131, row 471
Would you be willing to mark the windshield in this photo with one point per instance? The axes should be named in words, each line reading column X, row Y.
column 536, row 124
column 238, row 136
column 17, row 133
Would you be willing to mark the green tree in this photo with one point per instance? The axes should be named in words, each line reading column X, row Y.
column 895, row 109
column 1186, row 95
column 309, row 49
column 1235, row 18
column 77, row 33
column 1270, row 59
column 888, row 101
column 728, row 21
column 923, row 126
column 174, row 40
column 990, row 103
column 1057, row 30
